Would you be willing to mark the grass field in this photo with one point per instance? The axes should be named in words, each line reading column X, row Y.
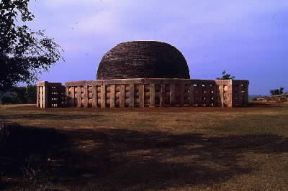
column 144, row 149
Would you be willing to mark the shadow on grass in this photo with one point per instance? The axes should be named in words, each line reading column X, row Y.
column 120, row 159
column 48, row 116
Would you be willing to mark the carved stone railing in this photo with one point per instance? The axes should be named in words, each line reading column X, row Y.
column 50, row 95
column 151, row 92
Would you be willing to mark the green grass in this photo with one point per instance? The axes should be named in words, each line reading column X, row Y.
column 145, row 149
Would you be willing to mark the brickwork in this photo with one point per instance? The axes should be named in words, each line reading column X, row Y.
column 143, row 59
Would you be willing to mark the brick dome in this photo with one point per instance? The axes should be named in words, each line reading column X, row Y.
column 143, row 59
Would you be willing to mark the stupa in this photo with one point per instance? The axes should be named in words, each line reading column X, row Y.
column 143, row 74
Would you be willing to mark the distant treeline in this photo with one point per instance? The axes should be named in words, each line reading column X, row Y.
column 19, row 95
column 278, row 91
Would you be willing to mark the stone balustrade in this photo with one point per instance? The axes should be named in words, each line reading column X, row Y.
column 143, row 92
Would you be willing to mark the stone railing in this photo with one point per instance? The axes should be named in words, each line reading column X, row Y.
column 50, row 95
column 151, row 92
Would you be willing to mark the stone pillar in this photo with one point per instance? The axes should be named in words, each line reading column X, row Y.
column 131, row 95
column 172, row 94
column 162, row 95
column 86, row 100
column 112, row 96
column 152, row 95
column 122, row 95
column 78, row 96
column 229, row 94
column 42, row 94
column 94, row 96
column 141, row 95
column 103, row 96
column 191, row 94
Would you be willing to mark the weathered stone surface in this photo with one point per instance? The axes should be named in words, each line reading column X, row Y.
column 144, row 92
column 143, row 59
column 143, row 74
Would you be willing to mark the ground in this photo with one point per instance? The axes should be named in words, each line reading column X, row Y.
column 144, row 149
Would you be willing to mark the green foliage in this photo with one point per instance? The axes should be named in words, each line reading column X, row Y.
column 23, row 53
column 226, row 76
column 10, row 99
column 31, row 94
column 19, row 95
column 278, row 91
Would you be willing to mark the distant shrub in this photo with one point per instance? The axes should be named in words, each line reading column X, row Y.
column 19, row 95
column 278, row 91
column 226, row 76
column 31, row 94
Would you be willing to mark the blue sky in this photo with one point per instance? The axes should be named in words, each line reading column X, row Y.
column 248, row 38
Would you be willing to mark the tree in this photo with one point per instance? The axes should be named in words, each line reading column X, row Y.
column 278, row 91
column 226, row 76
column 19, row 95
column 23, row 53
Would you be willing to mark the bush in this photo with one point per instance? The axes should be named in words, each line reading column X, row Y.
column 226, row 76
column 19, row 95
column 279, row 91
column 11, row 98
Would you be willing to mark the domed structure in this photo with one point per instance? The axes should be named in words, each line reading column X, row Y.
column 143, row 59
column 155, row 75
